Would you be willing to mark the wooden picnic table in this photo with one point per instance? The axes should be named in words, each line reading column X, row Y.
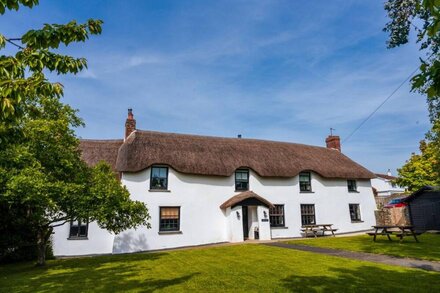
column 314, row 229
column 399, row 231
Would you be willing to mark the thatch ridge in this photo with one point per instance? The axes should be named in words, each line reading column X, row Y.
column 385, row 176
column 220, row 156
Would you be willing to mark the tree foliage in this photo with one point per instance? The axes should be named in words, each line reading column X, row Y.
column 422, row 17
column 22, row 76
column 421, row 169
column 43, row 181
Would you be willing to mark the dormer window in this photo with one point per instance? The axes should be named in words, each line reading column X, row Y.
column 159, row 178
column 242, row 179
column 305, row 182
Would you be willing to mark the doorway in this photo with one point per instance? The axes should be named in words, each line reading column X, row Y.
column 245, row 222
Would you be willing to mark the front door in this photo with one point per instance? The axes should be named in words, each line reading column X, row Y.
column 245, row 222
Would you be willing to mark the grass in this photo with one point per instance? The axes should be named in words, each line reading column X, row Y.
column 428, row 248
column 235, row 268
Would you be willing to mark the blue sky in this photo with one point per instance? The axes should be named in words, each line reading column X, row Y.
column 279, row 70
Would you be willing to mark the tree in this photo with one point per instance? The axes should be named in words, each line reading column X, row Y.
column 424, row 17
column 22, row 78
column 43, row 180
column 420, row 170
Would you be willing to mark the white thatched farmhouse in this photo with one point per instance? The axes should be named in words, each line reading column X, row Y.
column 202, row 189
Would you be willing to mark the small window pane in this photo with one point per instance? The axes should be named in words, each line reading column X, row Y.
column 305, row 182
column 83, row 230
column 159, row 178
column 169, row 219
column 308, row 214
column 276, row 215
column 74, row 231
column 242, row 180
column 78, row 228
column 351, row 184
column 355, row 212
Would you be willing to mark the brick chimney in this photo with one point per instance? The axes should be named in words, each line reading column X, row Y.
column 130, row 123
column 333, row 142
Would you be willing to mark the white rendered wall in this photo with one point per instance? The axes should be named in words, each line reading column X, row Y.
column 99, row 241
column 330, row 197
column 235, row 224
column 264, row 226
column 384, row 187
column 202, row 221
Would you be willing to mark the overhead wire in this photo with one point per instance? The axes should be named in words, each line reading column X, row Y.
column 380, row 105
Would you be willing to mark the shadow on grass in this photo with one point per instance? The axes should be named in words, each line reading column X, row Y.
column 364, row 279
column 115, row 273
column 426, row 249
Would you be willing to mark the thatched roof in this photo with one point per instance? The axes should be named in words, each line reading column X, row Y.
column 205, row 155
column 385, row 176
column 94, row 151
column 238, row 198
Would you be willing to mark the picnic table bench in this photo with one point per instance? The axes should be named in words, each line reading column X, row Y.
column 399, row 231
column 318, row 229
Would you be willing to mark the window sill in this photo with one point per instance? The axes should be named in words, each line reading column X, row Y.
column 357, row 221
column 169, row 232
column 78, row 238
column 159, row 190
column 353, row 191
column 306, row 192
column 279, row 227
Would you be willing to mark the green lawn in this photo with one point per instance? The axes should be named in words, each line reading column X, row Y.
column 428, row 248
column 235, row 268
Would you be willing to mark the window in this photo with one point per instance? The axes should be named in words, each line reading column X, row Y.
column 169, row 219
column 308, row 214
column 355, row 212
column 276, row 215
column 242, row 179
column 78, row 229
column 305, row 183
column 351, row 184
column 159, row 178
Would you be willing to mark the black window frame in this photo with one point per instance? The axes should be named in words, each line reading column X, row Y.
column 350, row 186
column 176, row 227
column 152, row 187
column 239, row 182
column 276, row 216
column 355, row 215
column 78, row 233
column 305, row 186
column 305, row 217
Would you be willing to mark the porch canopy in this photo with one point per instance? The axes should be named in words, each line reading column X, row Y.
column 246, row 198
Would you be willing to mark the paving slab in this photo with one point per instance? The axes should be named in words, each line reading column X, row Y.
column 378, row 258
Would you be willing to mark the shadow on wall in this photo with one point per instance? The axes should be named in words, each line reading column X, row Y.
column 130, row 242
column 205, row 179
